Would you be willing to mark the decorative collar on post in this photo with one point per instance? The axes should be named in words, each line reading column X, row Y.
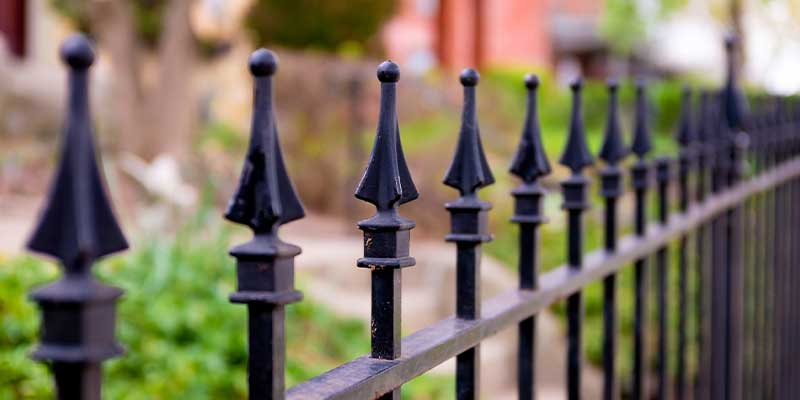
column 613, row 149
column 77, row 227
column 468, row 173
column 641, row 138
column 576, row 155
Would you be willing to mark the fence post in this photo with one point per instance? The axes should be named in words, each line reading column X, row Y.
column 468, row 172
column 386, row 184
column 576, row 157
column 77, row 227
column 663, row 175
column 686, row 140
column 640, row 176
column 735, row 115
column 613, row 151
column 529, row 164
column 264, row 200
column 705, row 151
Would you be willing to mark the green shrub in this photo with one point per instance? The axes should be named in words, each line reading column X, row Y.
column 183, row 338
column 328, row 25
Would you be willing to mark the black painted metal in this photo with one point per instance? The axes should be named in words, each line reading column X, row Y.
column 612, row 152
column 264, row 200
column 735, row 116
column 746, row 249
column 662, row 277
column 576, row 157
column 705, row 151
column 529, row 164
column 686, row 138
column 77, row 227
column 640, row 177
column 423, row 350
column 386, row 184
column 468, row 172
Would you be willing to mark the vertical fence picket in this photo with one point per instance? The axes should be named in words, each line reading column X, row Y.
column 686, row 157
column 529, row 164
column 736, row 124
column 386, row 184
column 576, row 157
column 468, row 172
column 612, row 152
column 662, row 278
column 702, row 271
column 264, row 200
column 640, row 177
column 77, row 227
column 745, row 252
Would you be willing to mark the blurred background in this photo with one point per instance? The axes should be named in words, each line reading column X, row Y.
column 171, row 102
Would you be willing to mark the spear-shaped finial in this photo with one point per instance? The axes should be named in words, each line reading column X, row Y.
column 734, row 102
column 469, row 170
column 77, row 225
column 641, row 130
column 266, row 197
column 530, row 160
column 576, row 154
column 613, row 149
column 685, row 134
column 387, row 182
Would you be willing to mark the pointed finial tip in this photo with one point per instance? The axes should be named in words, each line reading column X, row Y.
column 388, row 72
column 470, row 77
column 531, row 81
column 77, row 52
column 263, row 62
column 576, row 84
column 641, row 84
column 612, row 84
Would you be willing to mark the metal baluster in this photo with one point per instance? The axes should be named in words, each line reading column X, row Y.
column 718, row 382
column 686, row 138
column 702, row 301
column 468, row 172
column 77, row 227
column 662, row 276
column 529, row 164
column 576, row 157
column 640, row 174
column 613, row 151
column 735, row 114
column 386, row 184
column 264, row 200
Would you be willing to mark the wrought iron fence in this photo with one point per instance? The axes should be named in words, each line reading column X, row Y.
column 736, row 175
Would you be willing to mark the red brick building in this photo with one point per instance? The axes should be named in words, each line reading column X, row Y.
column 458, row 33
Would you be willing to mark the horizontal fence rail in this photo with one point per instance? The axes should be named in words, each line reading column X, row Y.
column 737, row 179
column 431, row 346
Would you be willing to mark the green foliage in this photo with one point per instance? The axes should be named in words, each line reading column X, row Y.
column 183, row 338
column 326, row 25
column 625, row 26
column 147, row 16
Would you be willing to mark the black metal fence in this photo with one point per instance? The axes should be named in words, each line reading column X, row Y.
column 735, row 226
